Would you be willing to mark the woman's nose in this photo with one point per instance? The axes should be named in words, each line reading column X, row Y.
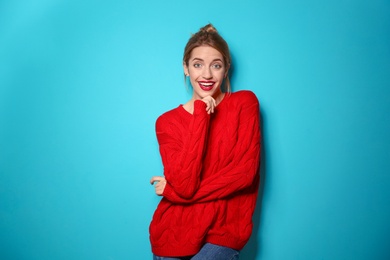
column 207, row 73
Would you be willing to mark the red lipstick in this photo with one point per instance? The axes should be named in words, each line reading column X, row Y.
column 206, row 85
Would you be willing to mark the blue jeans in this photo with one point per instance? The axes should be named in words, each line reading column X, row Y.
column 208, row 252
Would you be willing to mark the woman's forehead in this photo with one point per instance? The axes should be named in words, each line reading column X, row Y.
column 205, row 53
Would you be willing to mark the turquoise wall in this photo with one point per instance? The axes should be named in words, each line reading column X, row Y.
column 82, row 83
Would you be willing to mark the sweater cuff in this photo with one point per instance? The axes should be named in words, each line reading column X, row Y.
column 199, row 107
column 167, row 191
column 170, row 195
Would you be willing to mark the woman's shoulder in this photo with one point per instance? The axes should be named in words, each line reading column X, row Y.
column 173, row 115
column 244, row 96
column 169, row 114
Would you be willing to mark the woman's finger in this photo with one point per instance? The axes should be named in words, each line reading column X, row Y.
column 156, row 179
column 159, row 187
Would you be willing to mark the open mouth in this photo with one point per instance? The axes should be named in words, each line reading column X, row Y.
column 206, row 85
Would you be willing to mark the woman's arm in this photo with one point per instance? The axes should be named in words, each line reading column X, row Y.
column 182, row 148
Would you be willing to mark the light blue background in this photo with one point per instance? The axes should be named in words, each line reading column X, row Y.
column 82, row 83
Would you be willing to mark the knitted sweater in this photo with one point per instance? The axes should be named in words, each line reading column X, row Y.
column 211, row 164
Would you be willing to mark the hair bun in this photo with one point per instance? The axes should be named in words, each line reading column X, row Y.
column 209, row 28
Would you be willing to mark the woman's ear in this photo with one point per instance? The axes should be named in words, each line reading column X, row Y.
column 185, row 68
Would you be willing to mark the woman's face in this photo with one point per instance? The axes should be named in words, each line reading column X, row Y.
column 207, row 70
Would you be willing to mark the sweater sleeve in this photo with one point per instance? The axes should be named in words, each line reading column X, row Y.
column 182, row 149
column 241, row 171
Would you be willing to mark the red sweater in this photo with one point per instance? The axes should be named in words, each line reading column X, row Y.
column 211, row 164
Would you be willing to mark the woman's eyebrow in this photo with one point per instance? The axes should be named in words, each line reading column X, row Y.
column 199, row 59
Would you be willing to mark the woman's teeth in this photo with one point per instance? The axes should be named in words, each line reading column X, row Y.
column 206, row 86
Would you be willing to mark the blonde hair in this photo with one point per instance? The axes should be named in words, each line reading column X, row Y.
column 209, row 36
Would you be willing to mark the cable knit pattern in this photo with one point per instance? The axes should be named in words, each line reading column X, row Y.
column 211, row 164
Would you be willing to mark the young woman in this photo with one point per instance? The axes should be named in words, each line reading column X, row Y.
column 210, row 149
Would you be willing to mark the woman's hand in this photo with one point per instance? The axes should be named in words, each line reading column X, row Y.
column 160, row 185
column 210, row 104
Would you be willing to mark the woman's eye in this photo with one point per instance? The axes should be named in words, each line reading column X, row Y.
column 217, row 66
column 197, row 65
